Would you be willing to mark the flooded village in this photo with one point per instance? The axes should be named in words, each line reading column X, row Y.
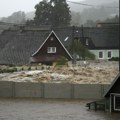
column 61, row 62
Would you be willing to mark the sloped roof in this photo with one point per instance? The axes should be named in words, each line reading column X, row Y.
column 114, row 86
column 105, row 38
column 16, row 46
column 100, row 38
column 52, row 32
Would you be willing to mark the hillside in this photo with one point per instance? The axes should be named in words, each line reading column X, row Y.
column 98, row 12
column 80, row 8
column 81, row 13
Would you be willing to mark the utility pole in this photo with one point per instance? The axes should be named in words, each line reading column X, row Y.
column 119, row 44
column 82, row 33
column 119, row 37
column 73, row 50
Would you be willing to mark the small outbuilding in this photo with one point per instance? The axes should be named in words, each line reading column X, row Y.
column 111, row 100
column 113, row 95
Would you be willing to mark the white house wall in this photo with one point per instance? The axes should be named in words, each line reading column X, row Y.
column 114, row 53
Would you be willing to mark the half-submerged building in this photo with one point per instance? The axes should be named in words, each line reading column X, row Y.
column 113, row 95
column 111, row 98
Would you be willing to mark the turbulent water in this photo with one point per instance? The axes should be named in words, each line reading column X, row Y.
column 37, row 109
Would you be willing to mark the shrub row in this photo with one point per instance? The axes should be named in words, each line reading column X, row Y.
column 10, row 70
column 114, row 59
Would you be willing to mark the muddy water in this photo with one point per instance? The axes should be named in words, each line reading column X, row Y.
column 37, row 109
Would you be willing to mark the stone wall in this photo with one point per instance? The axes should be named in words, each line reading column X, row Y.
column 52, row 90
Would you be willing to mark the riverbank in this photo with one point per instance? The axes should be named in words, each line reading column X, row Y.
column 90, row 73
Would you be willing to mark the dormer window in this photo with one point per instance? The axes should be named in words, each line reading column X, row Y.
column 87, row 41
column 51, row 50
column 51, row 38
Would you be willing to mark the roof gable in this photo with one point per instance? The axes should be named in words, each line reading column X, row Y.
column 113, row 87
column 52, row 32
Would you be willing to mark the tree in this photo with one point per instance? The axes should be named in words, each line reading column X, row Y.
column 54, row 12
column 16, row 17
column 114, row 19
column 77, row 48
column 90, row 23
column 43, row 13
column 30, row 23
column 76, row 19
column 60, row 13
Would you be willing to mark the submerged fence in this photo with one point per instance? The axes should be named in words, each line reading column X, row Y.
column 52, row 90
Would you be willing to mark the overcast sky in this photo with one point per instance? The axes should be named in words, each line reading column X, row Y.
column 7, row 7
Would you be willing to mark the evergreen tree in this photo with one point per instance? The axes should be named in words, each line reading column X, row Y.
column 54, row 12
column 61, row 13
column 43, row 13
column 77, row 48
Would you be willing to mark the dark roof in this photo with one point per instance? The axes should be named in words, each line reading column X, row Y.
column 105, row 38
column 99, row 38
column 107, row 24
column 114, row 87
column 16, row 46
column 57, row 38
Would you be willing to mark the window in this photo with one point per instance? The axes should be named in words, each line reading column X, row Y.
column 87, row 42
column 109, row 54
column 51, row 50
column 51, row 38
column 100, row 55
column 117, row 102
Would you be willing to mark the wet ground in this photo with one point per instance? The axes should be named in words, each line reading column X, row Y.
column 37, row 109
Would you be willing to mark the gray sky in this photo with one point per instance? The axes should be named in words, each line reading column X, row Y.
column 7, row 7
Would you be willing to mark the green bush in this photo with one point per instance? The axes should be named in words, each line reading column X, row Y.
column 61, row 61
column 11, row 65
column 22, row 68
column 9, row 70
column 36, row 68
column 114, row 59
column 42, row 67
column 29, row 68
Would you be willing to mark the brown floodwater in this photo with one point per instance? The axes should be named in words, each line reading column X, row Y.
column 38, row 109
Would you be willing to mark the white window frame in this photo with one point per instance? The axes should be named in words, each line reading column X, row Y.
column 99, row 55
column 115, row 102
column 51, row 50
column 111, row 54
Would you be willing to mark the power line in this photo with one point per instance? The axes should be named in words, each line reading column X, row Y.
column 79, row 3
column 90, row 5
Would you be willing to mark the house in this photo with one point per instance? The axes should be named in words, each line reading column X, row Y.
column 107, row 24
column 50, row 50
column 23, row 45
column 113, row 95
column 103, row 42
column 106, row 42
column 111, row 98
